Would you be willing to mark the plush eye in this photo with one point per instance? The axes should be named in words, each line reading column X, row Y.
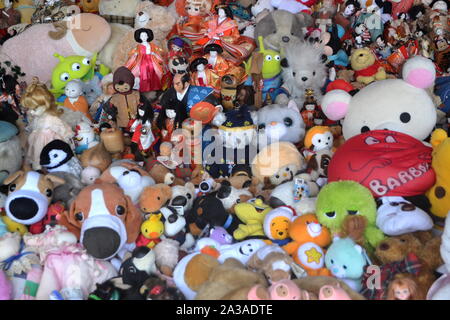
column 261, row 126
column 331, row 214
column 314, row 73
column 64, row 76
column 405, row 117
column 76, row 67
column 332, row 261
column 189, row 196
column 394, row 204
column 268, row 58
column 345, row 267
column 79, row 216
column 352, row 212
column 365, row 129
column 277, row 176
column 48, row 193
column 120, row 210
column 12, row 187
column 288, row 121
column 238, row 200
column 277, row 57
column 86, row 61
column 293, row 74
column 287, row 169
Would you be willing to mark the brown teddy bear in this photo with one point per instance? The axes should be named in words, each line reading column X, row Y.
column 154, row 197
column 273, row 262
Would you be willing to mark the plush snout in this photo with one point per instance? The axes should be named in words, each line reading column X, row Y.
column 26, row 207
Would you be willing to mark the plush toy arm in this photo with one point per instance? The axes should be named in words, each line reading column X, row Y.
column 290, row 247
column 374, row 236
column 241, row 232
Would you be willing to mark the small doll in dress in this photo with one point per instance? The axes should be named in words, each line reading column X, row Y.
column 202, row 76
column 142, row 139
column 404, row 287
column 45, row 123
column 170, row 118
column 147, row 62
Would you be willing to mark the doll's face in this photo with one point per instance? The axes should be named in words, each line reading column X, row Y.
column 193, row 10
column 441, row 44
column 213, row 54
column 310, row 107
column 144, row 37
column 380, row 42
column 122, row 87
column 221, row 13
column 141, row 112
column 178, row 84
column 171, row 114
column 201, row 67
column 176, row 48
column 402, row 293
column 349, row 10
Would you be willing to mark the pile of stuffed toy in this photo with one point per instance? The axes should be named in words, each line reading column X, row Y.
column 217, row 149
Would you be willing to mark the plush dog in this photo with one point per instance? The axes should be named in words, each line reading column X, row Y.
column 29, row 195
column 104, row 219
column 154, row 197
column 183, row 196
column 175, row 228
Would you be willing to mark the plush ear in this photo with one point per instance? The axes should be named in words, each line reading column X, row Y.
column 13, row 177
column 335, row 104
column 284, row 63
column 437, row 137
column 66, row 220
column 419, row 72
column 133, row 221
column 258, row 293
column 293, row 106
column 57, row 181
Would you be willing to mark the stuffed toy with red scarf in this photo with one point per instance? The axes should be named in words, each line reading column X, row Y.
column 367, row 68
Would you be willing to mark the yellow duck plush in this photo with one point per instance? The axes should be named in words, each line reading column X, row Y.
column 151, row 231
column 439, row 194
column 252, row 214
column 13, row 226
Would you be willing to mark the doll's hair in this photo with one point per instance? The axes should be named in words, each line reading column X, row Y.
column 249, row 94
column 404, row 280
column 37, row 95
column 148, row 111
column 197, row 62
column 137, row 34
column 225, row 8
column 181, row 114
column 415, row 10
column 213, row 47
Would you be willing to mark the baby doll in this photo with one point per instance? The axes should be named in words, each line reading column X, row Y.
column 404, row 287
column 75, row 100
column 46, row 124
column 142, row 140
column 147, row 62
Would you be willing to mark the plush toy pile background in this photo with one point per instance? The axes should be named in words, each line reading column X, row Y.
column 332, row 116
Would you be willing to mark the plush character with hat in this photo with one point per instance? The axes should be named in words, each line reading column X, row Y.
column 276, row 224
column 58, row 156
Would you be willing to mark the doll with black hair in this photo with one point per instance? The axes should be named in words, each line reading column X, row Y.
column 346, row 17
column 170, row 118
column 10, row 109
column 142, row 139
column 202, row 76
column 148, row 62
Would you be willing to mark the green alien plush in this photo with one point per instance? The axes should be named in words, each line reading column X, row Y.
column 339, row 199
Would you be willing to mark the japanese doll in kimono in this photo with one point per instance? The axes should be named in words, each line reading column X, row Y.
column 190, row 25
column 142, row 139
column 147, row 62
column 223, row 30
column 219, row 65
column 170, row 118
column 202, row 76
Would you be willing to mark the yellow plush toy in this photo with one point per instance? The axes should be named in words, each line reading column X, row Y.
column 439, row 194
column 89, row 6
column 151, row 231
column 26, row 9
column 13, row 226
column 252, row 214
column 367, row 68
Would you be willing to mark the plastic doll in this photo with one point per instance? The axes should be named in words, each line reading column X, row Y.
column 191, row 26
column 202, row 76
column 310, row 112
column 75, row 100
column 147, row 62
column 142, row 140
column 45, row 122
column 223, row 30
column 169, row 119
column 179, row 47
column 98, row 114
column 403, row 287
column 220, row 66
column 346, row 17
column 383, row 49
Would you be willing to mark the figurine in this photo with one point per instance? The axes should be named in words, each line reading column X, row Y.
column 310, row 112
column 179, row 47
column 191, row 26
column 362, row 36
column 202, row 76
column 346, row 17
column 75, row 100
column 404, row 287
column 170, row 119
column 383, row 49
column 147, row 62
column 9, row 16
column 142, row 140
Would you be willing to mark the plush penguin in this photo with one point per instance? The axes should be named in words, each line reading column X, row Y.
column 135, row 270
column 57, row 155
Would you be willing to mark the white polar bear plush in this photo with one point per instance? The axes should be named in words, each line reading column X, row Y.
column 401, row 105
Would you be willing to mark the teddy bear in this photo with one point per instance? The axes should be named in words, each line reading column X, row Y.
column 439, row 194
column 150, row 16
column 252, row 215
column 400, row 105
column 273, row 262
column 153, row 198
column 301, row 72
column 367, row 68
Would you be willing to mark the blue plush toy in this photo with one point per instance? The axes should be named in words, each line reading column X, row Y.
column 346, row 260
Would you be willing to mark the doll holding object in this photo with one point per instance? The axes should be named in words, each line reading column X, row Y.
column 75, row 100
column 46, row 124
column 147, row 62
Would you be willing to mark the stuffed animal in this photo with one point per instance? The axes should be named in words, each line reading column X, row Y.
column 155, row 288
column 317, row 138
column 339, row 199
column 261, row 6
column 314, row 285
column 97, row 157
column 439, row 194
column 89, row 175
column 302, row 72
column 366, row 68
column 290, row 5
column 276, row 224
column 46, row 39
column 231, row 197
column 10, row 149
column 136, row 269
column 333, row 293
column 346, row 260
column 415, row 117
column 167, row 253
column 5, row 287
column 89, row 6
column 183, row 196
column 160, row 172
column 308, row 240
column 57, row 156
column 153, row 198
column 175, row 227
column 151, row 231
column 281, row 290
column 220, row 235
column 68, row 191
column 92, row 90
column 281, row 123
column 300, row 195
column 252, row 215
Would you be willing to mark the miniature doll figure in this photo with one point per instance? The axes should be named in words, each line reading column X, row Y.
column 142, row 140
column 10, row 109
column 191, row 26
column 147, row 62
column 9, row 16
column 362, row 36
column 383, row 49
column 223, row 30
column 179, row 47
column 403, row 287
column 310, row 112
column 203, row 77
column 97, row 112
column 346, row 17
column 169, row 119
column 219, row 65
column 75, row 100
column 45, row 122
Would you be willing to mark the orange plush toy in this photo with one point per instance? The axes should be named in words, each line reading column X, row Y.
column 154, row 198
column 308, row 238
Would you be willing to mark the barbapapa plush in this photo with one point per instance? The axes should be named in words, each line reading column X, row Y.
column 339, row 199
column 395, row 104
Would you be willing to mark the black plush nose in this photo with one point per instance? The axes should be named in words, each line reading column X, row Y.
column 384, row 246
column 172, row 218
column 140, row 13
column 285, row 39
column 280, row 233
column 304, row 78
column 408, row 207
column 101, row 242
column 274, row 202
column 23, row 208
column 179, row 201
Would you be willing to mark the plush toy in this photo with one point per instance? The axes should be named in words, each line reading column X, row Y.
column 346, row 260
column 333, row 293
column 5, row 287
column 276, row 224
column 11, row 150
column 11, row 225
column 220, row 235
column 101, row 212
column 155, row 288
column 290, row 5
column 313, row 285
column 339, row 199
column 151, row 231
column 281, row 290
column 261, row 6
column 366, row 68
column 57, row 156
column 439, row 195
column 71, row 38
column 153, row 198
column 231, row 197
column 89, row 175
column 75, row 99
column 415, row 117
column 92, row 90
column 97, row 157
column 68, row 191
column 167, row 253
column 252, row 215
column 89, row 6
column 302, row 72
column 85, row 137
column 317, row 138
column 136, row 269
column 160, row 172
column 308, row 240
column 183, row 196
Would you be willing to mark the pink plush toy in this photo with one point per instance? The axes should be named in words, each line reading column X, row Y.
column 333, row 293
column 281, row 290
column 5, row 287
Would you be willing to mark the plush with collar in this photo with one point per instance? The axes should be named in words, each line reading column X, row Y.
column 405, row 105
column 10, row 149
column 439, row 194
column 153, row 198
column 339, row 199
column 104, row 219
column 58, row 156
column 276, row 224
column 308, row 240
column 252, row 215
column 366, row 68
column 346, row 260
column 151, row 231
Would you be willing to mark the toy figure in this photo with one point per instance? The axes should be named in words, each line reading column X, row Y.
column 46, row 124
column 310, row 112
column 85, row 137
column 223, row 30
column 191, row 26
column 151, row 231
column 142, row 140
column 75, row 100
column 169, row 119
column 213, row 54
column 404, row 287
column 10, row 108
column 179, row 47
column 383, row 49
column 97, row 112
column 346, row 17
column 147, row 62
column 331, row 41
column 362, row 36
column 8, row 17
column 203, row 77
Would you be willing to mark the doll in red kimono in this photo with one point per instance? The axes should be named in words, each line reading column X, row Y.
column 202, row 76
column 147, row 62
column 142, row 139
column 170, row 118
